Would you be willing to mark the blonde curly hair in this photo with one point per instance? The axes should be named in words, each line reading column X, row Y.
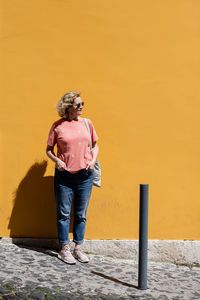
column 65, row 102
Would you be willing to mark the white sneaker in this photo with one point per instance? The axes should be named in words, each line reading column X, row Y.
column 80, row 255
column 66, row 256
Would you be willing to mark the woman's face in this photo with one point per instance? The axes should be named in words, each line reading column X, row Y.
column 76, row 109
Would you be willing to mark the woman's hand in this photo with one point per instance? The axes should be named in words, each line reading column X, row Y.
column 95, row 151
column 60, row 165
column 90, row 166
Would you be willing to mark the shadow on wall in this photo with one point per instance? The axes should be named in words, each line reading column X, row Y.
column 34, row 210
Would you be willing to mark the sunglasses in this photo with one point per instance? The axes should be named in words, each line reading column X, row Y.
column 79, row 105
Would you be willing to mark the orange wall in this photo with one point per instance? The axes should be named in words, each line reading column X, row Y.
column 137, row 64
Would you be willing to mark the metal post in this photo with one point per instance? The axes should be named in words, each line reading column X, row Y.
column 143, row 237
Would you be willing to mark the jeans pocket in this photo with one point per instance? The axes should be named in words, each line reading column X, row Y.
column 88, row 173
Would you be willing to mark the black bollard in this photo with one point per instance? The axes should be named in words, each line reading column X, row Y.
column 143, row 237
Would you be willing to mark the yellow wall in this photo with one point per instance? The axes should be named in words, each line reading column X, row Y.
column 137, row 64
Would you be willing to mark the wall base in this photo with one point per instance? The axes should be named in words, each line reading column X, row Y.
column 173, row 251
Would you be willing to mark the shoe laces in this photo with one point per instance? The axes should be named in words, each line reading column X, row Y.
column 79, row 249
column 66, row 249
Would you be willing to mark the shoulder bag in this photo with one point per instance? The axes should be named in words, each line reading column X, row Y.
column 97, row 168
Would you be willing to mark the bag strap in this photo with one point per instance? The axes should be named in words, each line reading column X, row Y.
column 88, row 128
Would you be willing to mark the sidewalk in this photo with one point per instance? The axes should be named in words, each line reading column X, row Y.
column 38, row 274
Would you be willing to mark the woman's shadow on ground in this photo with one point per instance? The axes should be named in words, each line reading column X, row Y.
column 34, row 209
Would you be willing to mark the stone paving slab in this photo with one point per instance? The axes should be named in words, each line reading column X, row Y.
column 38, row 274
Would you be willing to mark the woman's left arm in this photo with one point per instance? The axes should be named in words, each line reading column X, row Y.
column 95, row 151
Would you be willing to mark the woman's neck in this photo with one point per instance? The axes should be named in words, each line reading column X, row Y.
column 72, row 118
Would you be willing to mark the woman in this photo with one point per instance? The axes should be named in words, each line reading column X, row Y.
column 74, row 166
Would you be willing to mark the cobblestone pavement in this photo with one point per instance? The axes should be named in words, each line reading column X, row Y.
column 38, row 274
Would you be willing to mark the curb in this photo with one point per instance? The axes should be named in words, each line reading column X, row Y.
column 181, row 252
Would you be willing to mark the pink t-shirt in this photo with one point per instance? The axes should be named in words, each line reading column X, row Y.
column 73, row 142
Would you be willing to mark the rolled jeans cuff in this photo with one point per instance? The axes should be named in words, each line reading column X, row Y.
column 78, row 242
column 64, row 242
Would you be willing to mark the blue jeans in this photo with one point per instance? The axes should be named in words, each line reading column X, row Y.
column 65, row 185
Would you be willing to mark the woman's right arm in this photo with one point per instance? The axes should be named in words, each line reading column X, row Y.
column 60, row 165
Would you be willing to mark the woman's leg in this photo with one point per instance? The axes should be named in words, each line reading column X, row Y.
column 81, row 200
column 63, row 195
